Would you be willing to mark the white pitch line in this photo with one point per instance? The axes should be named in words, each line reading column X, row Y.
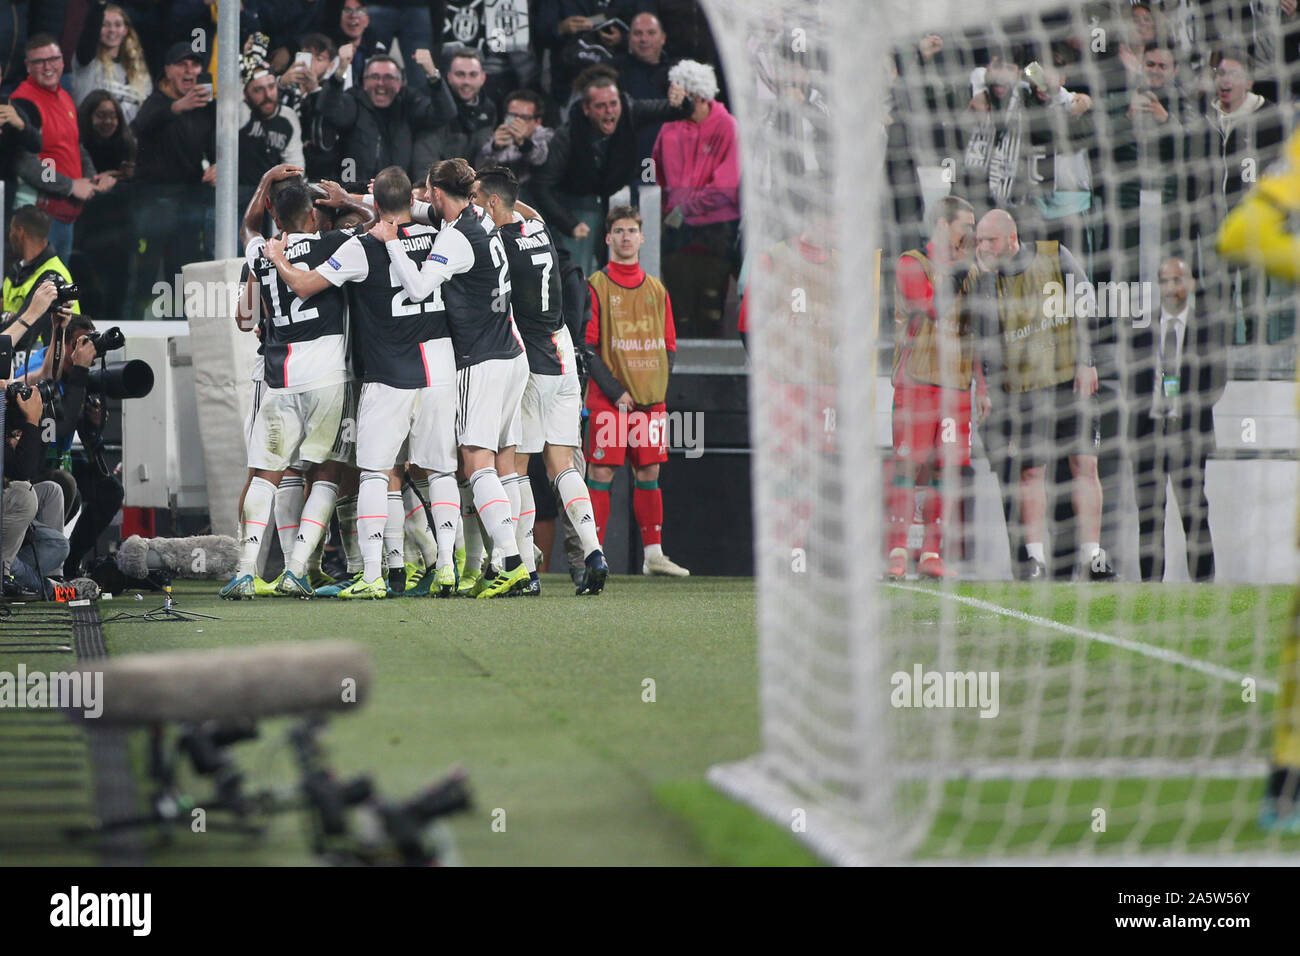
column 1084, row 768
column 1137, row 647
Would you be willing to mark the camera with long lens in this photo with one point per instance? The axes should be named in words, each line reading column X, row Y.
column 132, row 379
column 48, row 390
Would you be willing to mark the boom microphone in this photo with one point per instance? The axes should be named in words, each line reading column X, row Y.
column 266, row 681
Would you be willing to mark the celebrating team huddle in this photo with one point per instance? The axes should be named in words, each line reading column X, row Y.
column 408, row 372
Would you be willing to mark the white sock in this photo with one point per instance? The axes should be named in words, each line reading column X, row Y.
column 313, row 523
column 1035, row 549
column 654, row 550
column 288, row 512
column 493, row 508
column 262, row 553
column 372, row 516
column 510, row 483
column 524, row 526
column 394, row 555
column 444, row 499
column 577, row 505
column 346, row 509
column 416, row 522
column 473, row 531
column 318, row 552
column 259, row 501
column 1089, row 550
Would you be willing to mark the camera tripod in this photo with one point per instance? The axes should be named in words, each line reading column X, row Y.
column 168, row 611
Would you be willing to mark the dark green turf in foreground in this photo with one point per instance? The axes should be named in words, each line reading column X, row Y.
column 541, row 699
column 730, row 832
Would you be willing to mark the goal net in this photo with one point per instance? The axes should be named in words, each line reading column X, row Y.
column 1003, row 616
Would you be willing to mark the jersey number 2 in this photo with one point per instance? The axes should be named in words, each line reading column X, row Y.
column 402, row 304
column 498, row 250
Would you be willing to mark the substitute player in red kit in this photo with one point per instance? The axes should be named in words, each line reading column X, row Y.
column 933, row 370
column 632, row 343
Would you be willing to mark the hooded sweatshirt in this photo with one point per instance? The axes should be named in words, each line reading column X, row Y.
column 1252, row 131
column 698, row 167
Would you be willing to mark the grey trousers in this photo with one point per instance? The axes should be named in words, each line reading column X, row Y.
column 47, row 547
column 17, row 511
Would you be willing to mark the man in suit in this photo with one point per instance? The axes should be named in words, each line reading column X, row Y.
column 1177, row 372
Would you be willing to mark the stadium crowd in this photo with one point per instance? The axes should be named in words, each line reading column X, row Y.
column 1100, row 145
column 1122, row 132
column 571, row 94
column 108, row 153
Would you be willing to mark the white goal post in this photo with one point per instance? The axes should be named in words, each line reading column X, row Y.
column 982, row 720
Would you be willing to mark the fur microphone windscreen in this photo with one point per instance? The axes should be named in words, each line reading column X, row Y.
column 205, row 557
column 309, row 677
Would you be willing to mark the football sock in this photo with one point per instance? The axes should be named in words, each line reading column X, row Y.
column 444, row 498
column 599, row 493
column 318, row 552
column 494, row 511
column 289, row 503
column 902, row 503
column 314, row 520
column 346, row 509
column 394, row 555
column 259, row 501
column 259, row 566
column 372, row 516
column 524, row 522
column 932, row 520
column 648, row 506
column 510, row 484
column 473, row 531
column 1035, row 549
column 416, row 521
column 577, row 505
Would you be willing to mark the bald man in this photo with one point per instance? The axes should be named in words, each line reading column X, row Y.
column 1178, row 366
column 1041, row 378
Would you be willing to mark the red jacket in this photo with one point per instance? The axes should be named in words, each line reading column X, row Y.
column 698, row 167
column 60, row 143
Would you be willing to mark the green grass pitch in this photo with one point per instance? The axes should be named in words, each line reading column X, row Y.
column 543, row 702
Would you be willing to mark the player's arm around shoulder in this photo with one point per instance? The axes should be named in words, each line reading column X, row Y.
column 527, row 211
column 451, row 254
column 303, row 283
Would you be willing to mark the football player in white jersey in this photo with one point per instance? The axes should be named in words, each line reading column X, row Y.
column 304, row 347
column 552, row 401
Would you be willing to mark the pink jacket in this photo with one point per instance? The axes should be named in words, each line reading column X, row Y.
column 698, row 167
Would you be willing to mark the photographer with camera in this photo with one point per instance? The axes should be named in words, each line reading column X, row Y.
column 74, row 393
column 35, row 265
column 18, row 506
